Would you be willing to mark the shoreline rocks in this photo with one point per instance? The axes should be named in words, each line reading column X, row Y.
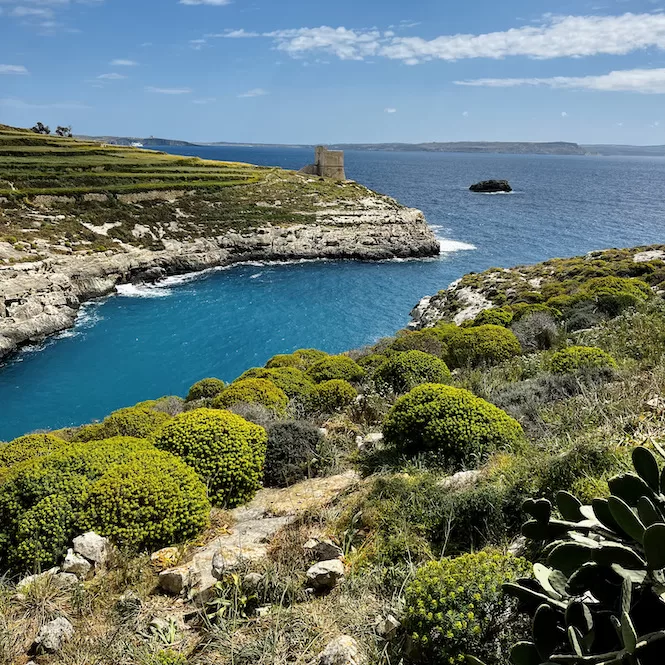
column 491, row 187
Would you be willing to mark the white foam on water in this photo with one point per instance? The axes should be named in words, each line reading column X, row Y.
column 142, row 291
column 448, row 246
column 255, row 275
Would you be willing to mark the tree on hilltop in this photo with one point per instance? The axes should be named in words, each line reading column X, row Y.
column 40, row 128
column 64, row 131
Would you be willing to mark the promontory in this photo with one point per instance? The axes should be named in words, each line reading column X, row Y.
column 79, row 217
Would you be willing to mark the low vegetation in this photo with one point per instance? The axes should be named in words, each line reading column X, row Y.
column 507, row 503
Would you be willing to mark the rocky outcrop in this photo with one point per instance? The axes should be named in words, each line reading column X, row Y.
column 491, row 187
column 42, row 297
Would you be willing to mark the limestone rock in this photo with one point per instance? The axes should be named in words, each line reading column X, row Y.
column 93, row 547
column 76, row 564
column 322, row 549
column 174, row 580
column 252, row 580
column 325, row 574
column 343, row 650
column 368, row 441
column 66, row 580
column 491, row 186
column 53, row 635
column 31, row 579
column 387, row 627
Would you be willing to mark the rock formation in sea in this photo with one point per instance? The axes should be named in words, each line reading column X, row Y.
column 491, row 187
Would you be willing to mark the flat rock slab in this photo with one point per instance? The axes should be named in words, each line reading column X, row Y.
column 254, row 526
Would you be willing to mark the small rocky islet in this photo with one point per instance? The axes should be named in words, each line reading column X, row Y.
column 389, row 504
column 491, row 187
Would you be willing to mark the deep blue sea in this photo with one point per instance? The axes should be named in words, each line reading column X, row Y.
column 148, row 342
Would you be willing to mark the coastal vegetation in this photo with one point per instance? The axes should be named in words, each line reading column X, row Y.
column 485, row 489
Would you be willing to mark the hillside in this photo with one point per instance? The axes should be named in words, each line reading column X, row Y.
column 78, row 217
column 416, row 501
column 150, row 141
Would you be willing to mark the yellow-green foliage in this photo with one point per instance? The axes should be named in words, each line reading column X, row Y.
column 462, row 428
column 427, row 340
column 331, row 396
column 300, row 359
column 293, row 381
column 205, row 388
column 28, row 447
column 456, row 607
column 225, row 450
column 150, row 500
column 251, row 391
column 135, row 421
column 44, row 501
column 496, row 316
column 614, row 294
column 372, row 362
column 336, row 367
column 580, row 358
column 404, row 371
column 481, row 345
column 523, row 309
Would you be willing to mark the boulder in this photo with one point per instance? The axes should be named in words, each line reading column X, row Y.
column 491, row 187
column 93, row 547
column 387, row 627
column 31, row 579
column 66, row 580
column 252, row 580
column 343, row 650
column 322, row 549
column 368, row 441
column 76, row 564
column 174, row 580
column 53, row 635
column 325, row 574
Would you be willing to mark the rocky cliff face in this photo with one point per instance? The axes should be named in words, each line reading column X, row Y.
column 41, row 297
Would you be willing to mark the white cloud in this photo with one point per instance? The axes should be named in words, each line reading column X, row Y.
column 553, row 37
column 390, row 110
column 123, row 63
column 564, row 114
column 237, row 34
column 112, row 76
column 20, row 104
column 13, row 69
column 255, row 92
column 205, row 100
column 648, row 81
column 216, row 3
column 169, row 91
column 465, row 114
column 23, row 12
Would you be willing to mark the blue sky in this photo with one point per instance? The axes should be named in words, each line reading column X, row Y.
column 301, row 71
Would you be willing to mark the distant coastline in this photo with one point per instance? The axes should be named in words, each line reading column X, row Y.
column 480, row 147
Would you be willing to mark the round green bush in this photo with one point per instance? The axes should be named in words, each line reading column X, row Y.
column 614, row 294
column 523, row 309
column 137, row 422
column 495, row 316
column 291, row 453
column 225, row 450
column 331, row 396
column 481, row 345
column 28, row 447
column 250, row 391
column 372, row 362
column 205, row 389
column 42, row 500
column 336, row 367
column 462, row 428
column 404, row 371
column 148, row 501
column 293, row 381
column 456, row 607
column 428, row 341
column 580, row 358
column 300, row 359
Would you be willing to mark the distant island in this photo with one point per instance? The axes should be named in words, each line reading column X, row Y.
column 481, row 147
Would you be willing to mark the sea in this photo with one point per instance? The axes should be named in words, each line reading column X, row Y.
column 149, row 341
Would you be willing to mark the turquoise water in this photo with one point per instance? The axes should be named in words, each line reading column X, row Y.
column 147, row 342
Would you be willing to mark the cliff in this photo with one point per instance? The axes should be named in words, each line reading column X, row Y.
column 77, row 219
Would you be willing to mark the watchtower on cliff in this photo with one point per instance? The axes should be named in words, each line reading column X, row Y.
column 327, row 164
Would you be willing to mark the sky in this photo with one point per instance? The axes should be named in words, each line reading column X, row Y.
column 302, row 71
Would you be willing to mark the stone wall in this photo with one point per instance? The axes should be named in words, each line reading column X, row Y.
column 327, row 164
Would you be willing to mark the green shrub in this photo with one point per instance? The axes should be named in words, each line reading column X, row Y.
column 496, row 316
column 580, row 358
column 462, row 428
column 225, row 450
column 537, row 331
column 252, row 391
column 481, row 345
column 291, row 453
column 427, row 341
column 336, row 367
column 522, row 309
column 151, row 500
column 28, row 447
column 456, row 607
column 138, row 422
column 300, row 359
column 614, row 294
column 205, row 389
column 404, row 371
column 331, row 396
column 372, row 362
column 293, row 381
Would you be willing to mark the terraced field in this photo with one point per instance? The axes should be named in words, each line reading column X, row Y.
column 33, row 164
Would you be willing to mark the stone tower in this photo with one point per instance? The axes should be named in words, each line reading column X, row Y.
column 327, row 164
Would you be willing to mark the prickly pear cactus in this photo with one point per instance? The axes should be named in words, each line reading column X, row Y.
column 601, row 597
